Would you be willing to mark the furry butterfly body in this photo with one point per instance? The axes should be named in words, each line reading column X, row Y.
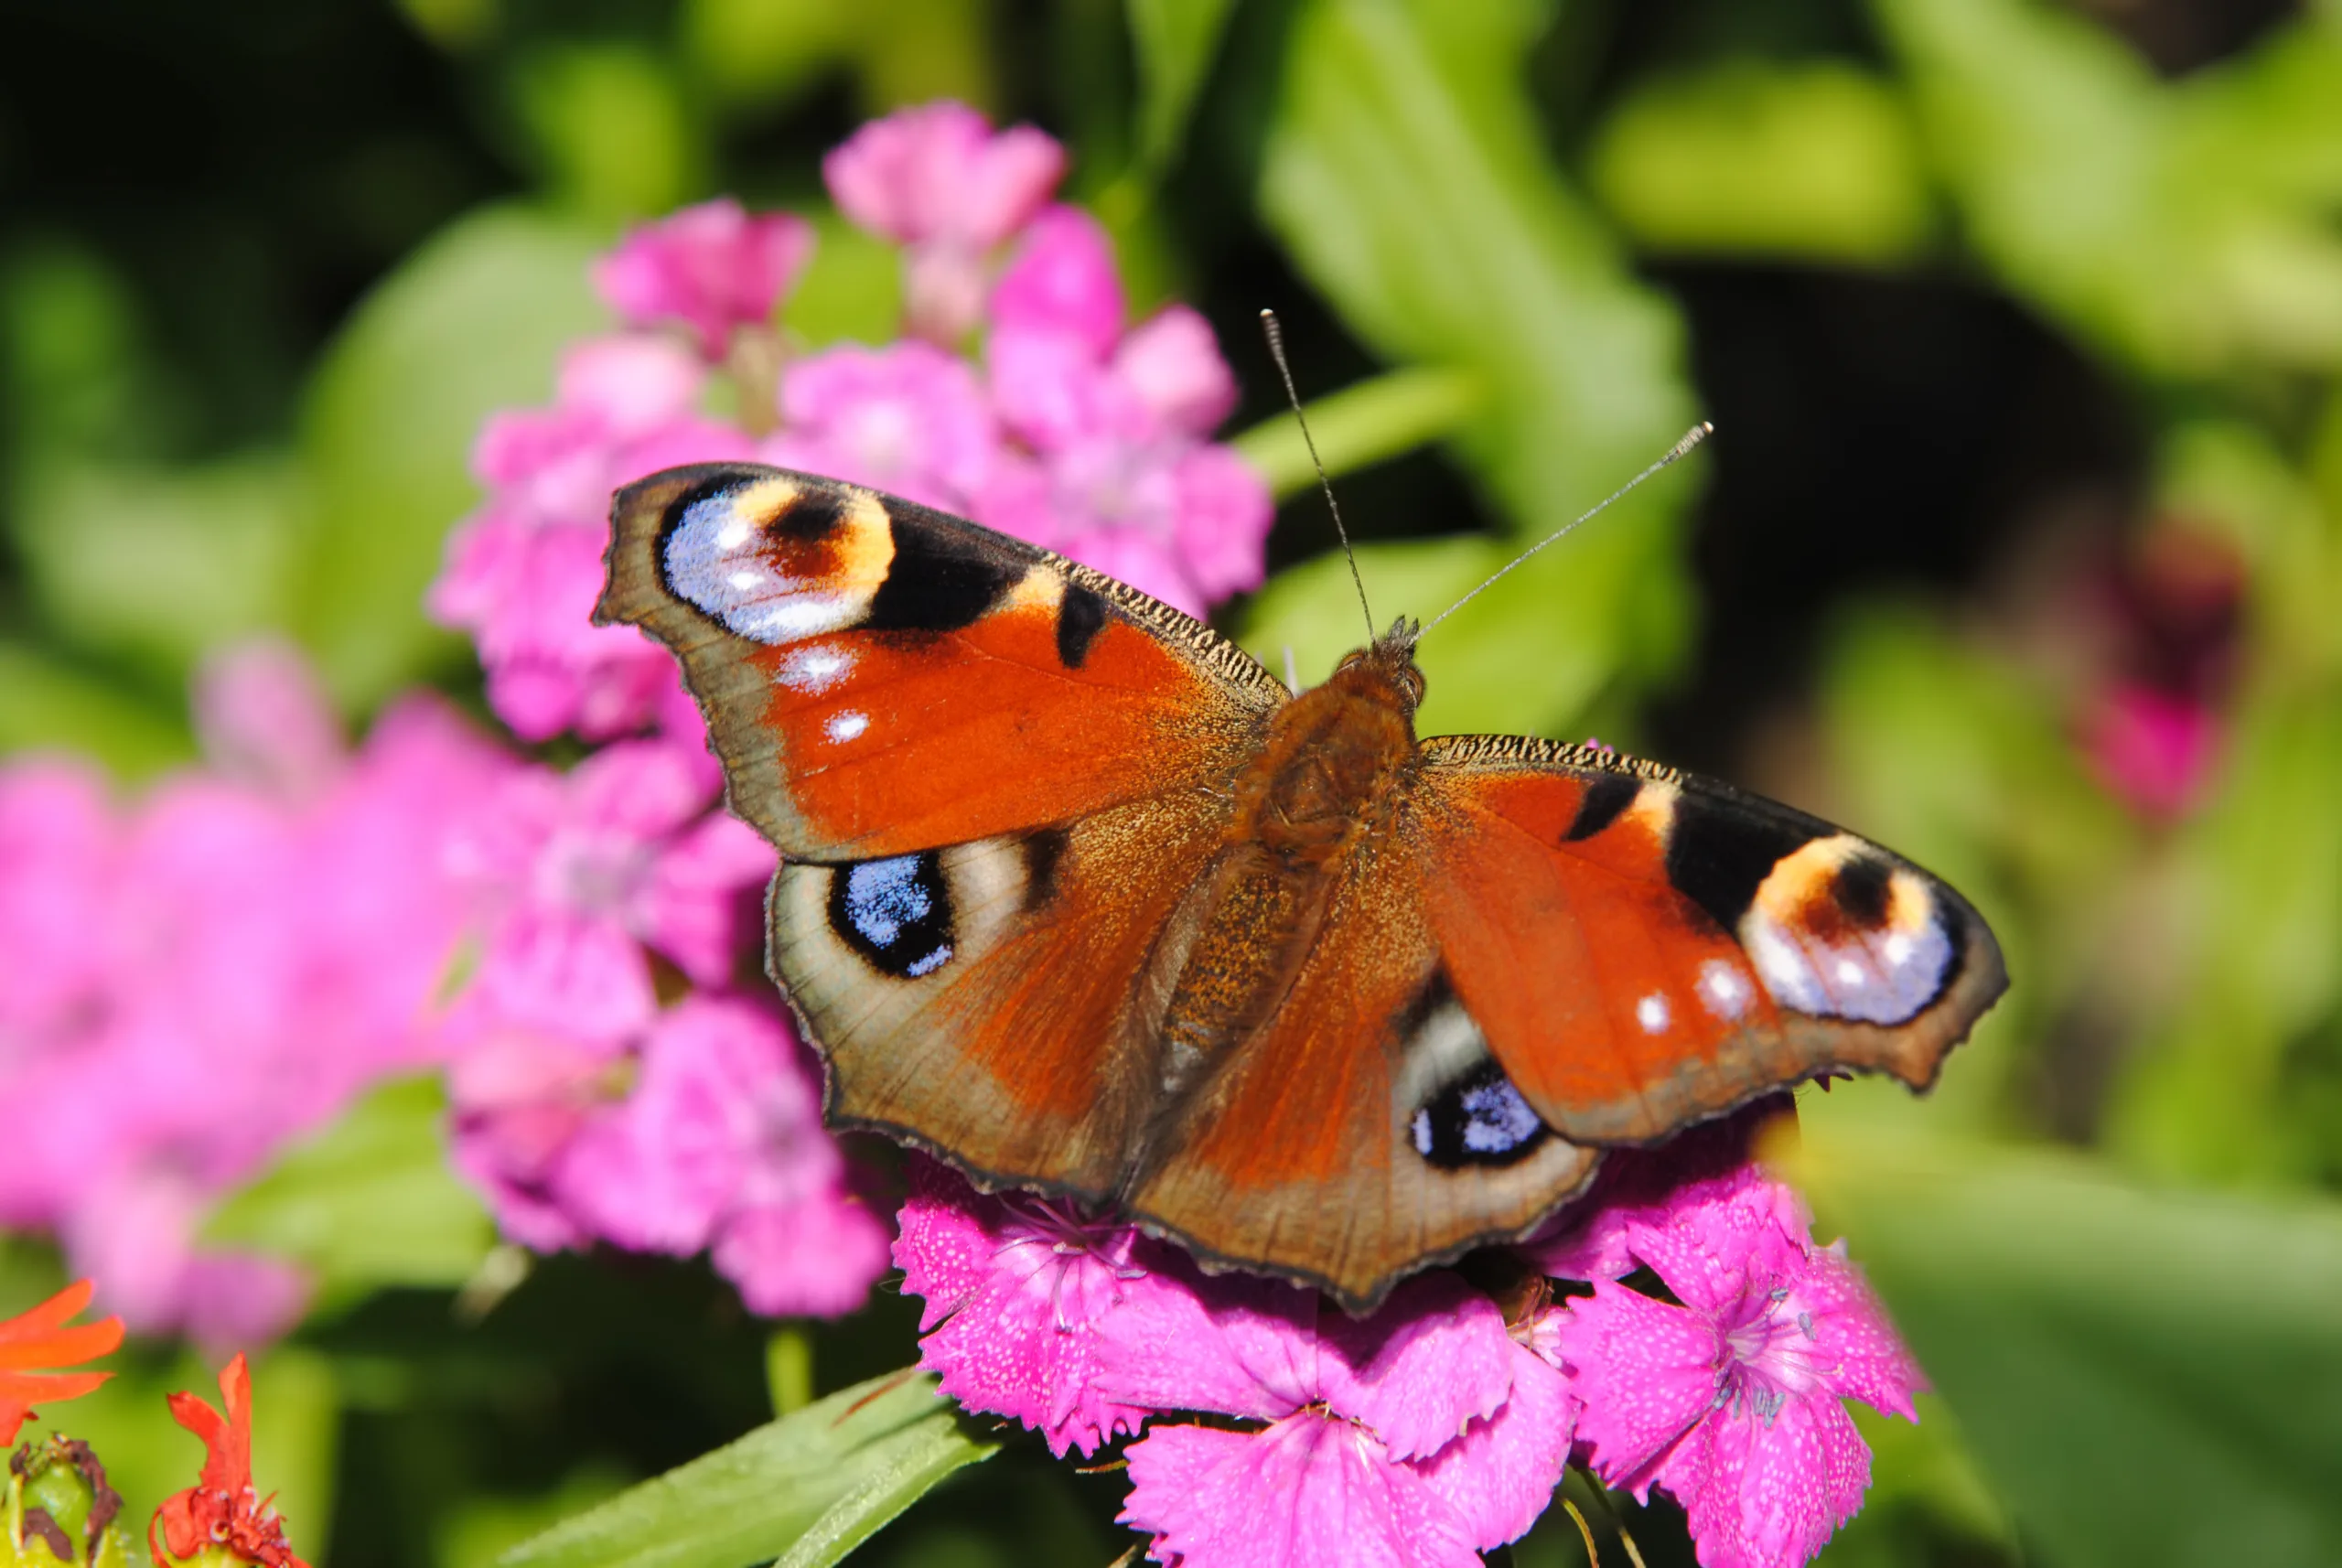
column 1079, row 897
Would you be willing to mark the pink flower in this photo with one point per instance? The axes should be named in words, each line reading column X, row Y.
column 578, row 877
column 710, row 268
column 1119, row 474
column 1016, row 1290
column 522, row 572
column 1730, row 1401
column 1063, row 283
column 1418, row 1436
column 721, row 1143
column 2156, row 751
column 703, row 1131
column 265, row 721
column 518, row 1097
column 909, row 419
column 939, row 180
column 240, row 960
column 60, row 847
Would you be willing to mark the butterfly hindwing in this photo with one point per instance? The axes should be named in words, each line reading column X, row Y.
column 1646, row 949
column 881, row 679
column 991, row 1001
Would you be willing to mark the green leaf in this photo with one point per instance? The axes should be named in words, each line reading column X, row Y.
column 1811, row 161
column 852, row 291
column 158, row 567
column 369, row 1202
column 1175, row 41
column 805, row 1489
column 1513, row 661
column 473, row 322
column 2184, row 226
column 612, row 126
column 1406, row 175
column 2150, row 1378
column 46, row 705
column 1386, row 416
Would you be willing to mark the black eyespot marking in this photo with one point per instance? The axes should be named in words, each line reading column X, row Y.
column 811, row 516
column 1860, row 889
column 937, row 583
column 1719, row 853
column 1081, row 616
column 1043, row 851
column 897, row 913
column 1606, row 799
column 1479, row 1119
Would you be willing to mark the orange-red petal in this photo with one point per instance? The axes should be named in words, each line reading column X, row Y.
column 43, row 1337
column 222, row 1508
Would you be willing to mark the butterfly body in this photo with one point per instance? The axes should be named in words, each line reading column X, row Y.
column 1077, row 896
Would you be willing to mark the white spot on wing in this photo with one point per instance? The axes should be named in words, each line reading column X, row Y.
column 1722, row 989
column 1651, row 1014
column 813, row 670
column 846, row 726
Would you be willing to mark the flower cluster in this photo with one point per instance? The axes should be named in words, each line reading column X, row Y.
column 1437, row 1427
column 197, row 978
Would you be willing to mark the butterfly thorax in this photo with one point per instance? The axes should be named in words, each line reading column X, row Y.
column 1331, row 757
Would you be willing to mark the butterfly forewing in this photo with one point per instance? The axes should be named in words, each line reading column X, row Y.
column 1646, row 949
column 880, row 678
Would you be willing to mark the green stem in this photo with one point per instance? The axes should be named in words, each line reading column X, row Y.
column 789, row 1368
column 1362, row 424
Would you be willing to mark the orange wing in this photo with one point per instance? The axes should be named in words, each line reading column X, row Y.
column 881, row 679
column 1645, row 948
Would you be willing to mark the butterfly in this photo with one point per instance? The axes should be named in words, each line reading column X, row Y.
column 1077, row 896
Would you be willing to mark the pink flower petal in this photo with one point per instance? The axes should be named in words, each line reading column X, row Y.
column 1433, row 1360
column 1645, row 1371
column 909, row 419
column 1171, row 363
column 709, row 268
column 1063, row 281
column 1018, row 1296
column 1222, row 521
column 1768, row 1492
column 937, row 173
column 1310, row 1491
column 815, row 1258
column 264, row 720
column 1500, row 1473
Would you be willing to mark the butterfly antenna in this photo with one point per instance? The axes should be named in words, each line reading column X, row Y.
column 1275, row 335
column 1692, row 439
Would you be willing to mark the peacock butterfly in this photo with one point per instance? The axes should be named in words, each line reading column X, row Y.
column 1077, row 896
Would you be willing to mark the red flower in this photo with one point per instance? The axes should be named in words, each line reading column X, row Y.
column 222, row 1508
column 42, row 1338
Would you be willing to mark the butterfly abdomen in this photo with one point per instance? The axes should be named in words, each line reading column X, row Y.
column 1321, row 783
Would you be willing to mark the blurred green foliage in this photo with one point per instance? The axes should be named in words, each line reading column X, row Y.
column 1483, row 220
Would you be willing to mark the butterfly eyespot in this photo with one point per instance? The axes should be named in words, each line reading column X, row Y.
column 1459, row 1107
column 1479, row 1120
column 1838, row 932
column 897, row 913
